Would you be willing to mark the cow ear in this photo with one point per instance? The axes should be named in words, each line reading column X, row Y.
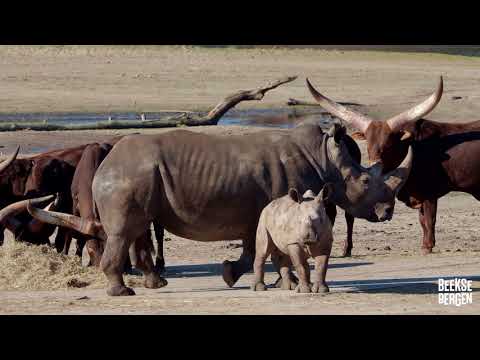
column 294, row 195
column 357, row 135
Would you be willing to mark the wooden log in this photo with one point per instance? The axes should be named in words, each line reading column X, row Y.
column 184, row 119
column 214, row 115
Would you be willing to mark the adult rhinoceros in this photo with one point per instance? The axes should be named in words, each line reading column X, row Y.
column 211, row 188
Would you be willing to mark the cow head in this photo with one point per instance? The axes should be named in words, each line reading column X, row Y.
column 387, row 141
column 13, row 176
column 48, row 175
column 363, row 192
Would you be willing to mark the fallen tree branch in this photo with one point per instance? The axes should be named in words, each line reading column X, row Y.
column 186, row 118
column 212, row 118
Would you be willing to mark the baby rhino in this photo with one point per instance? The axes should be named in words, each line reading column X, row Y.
column 294, row 228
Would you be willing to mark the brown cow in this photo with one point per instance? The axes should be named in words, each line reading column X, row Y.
column 446, row 155
column 38, row 175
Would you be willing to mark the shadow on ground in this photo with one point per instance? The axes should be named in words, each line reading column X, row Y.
column 201, row 270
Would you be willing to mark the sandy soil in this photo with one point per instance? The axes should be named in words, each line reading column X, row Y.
column 386, row 275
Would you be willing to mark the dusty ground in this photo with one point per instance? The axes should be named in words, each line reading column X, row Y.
column 387, row 274
column 155, row 78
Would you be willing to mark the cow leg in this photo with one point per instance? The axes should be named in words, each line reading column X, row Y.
column 233, row 270
column 94, row 251
column 428, row 217
column 62, row 239
column 144, row 262
column 348, row 245
column 80, row 244
column 67, row 240
column 160, row 260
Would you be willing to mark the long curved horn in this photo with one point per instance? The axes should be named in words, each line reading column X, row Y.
column 357, row 120
column 395, row 179
column 18, row 207
column 84, row 226
column 418, row 111
column 6, row 163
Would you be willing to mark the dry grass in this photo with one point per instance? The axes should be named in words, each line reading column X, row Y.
column 30, row 267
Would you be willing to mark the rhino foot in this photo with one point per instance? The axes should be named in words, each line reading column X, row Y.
column 260, row 286
column 318, row 287
column 120, row 290
column 155, row 282
column 303, row 288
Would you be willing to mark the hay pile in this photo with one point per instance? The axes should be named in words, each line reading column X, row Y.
column 30, row 267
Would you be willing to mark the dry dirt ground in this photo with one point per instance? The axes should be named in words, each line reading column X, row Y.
column 386, row 275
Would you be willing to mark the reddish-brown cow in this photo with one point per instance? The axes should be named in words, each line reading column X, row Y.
column 446, row 155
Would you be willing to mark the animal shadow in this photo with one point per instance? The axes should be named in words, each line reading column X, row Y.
column 202, row 270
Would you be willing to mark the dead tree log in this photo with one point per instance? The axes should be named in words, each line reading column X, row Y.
column 186, row 118
column 212, row 118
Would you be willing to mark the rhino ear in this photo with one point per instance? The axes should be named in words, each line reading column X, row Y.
column 325, row 193
column 338, row 131
column 294, row 195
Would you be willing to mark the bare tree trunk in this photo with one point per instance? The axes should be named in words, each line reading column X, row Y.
column 212, row 118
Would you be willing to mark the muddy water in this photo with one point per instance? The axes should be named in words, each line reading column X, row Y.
column 281, row 118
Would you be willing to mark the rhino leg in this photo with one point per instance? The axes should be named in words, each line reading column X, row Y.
column 321, row 254
column 233, row 270
column 160, row 260
column 348, row 245
column 112, row 263
column 298, row 256
column 144, row 262
column 264, row 246
column 283, row 266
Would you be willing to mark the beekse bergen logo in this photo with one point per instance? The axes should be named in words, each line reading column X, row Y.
column 456, row 291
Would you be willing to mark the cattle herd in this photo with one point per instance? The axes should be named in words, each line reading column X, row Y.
column 276, row 190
